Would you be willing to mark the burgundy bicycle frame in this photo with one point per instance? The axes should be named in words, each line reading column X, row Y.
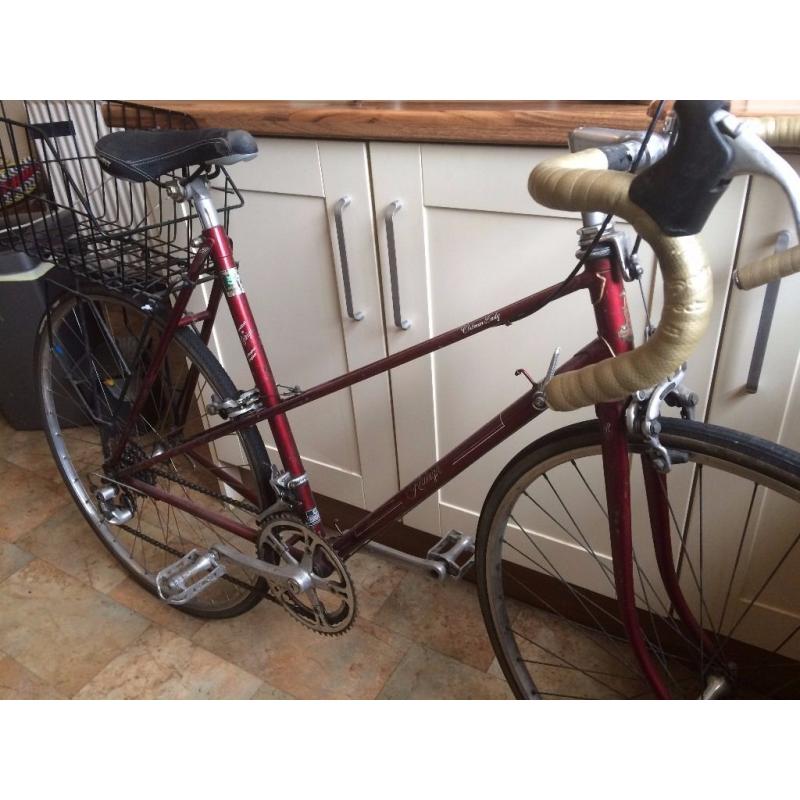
column 601, row 276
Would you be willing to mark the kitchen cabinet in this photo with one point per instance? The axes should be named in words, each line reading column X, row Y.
column 286, row 243
column 468, row 239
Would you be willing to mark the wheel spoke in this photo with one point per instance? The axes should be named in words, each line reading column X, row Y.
column 577, row 593
column 738, row 556
column 583, row 545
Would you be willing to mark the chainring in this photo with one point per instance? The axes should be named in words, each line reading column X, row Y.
column 329, row 607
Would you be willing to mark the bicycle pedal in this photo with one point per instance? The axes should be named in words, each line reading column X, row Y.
column 178, row 583
column 456, row 551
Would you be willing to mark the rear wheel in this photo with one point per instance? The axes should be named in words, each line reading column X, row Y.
column 546, row 579
column 94, row 347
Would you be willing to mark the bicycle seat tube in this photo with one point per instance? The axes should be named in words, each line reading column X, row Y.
column 197, row 191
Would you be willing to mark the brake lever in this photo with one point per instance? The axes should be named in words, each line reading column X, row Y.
column 753, row 156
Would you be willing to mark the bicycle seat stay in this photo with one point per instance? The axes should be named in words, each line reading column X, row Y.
column 145, row 155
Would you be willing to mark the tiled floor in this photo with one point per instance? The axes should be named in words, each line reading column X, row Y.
column 73, row 625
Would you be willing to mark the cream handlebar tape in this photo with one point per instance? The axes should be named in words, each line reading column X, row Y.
column 771, row 268
column 582, row 182
column 777, row 132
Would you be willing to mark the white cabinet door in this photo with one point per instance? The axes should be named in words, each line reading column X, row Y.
column 772, row 412
column 285, row 241
column 469, row 239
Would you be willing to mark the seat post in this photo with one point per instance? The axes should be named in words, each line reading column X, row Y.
column 197, row 192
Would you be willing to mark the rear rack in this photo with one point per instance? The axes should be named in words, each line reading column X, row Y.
column 57, row 205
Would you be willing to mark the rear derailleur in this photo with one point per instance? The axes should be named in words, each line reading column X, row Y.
column 643, row 412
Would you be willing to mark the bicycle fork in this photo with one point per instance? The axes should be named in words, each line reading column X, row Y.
column 616, row 467
column 614, row 328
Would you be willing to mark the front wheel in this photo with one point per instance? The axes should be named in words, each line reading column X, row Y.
column 546, row 578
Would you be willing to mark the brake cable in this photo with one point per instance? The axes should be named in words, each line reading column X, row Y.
column 558, row 291
column 649, row 328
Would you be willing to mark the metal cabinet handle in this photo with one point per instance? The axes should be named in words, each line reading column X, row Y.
column 391, row 210
column 338, row 208
column 765, row 322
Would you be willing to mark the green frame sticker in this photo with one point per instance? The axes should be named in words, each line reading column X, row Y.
column 231, row 282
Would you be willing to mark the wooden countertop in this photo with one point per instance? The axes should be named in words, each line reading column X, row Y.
column 505, row 122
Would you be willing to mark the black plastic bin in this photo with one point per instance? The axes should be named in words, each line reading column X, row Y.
column 22, row 307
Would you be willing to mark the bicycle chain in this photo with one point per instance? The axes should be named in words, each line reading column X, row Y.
column 241, row 504
column 245, row 507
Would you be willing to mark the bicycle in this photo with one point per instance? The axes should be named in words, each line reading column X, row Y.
column 200, row 517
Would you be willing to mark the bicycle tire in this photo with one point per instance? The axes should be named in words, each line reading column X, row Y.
column 740, row 457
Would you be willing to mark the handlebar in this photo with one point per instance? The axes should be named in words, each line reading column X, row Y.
column 777, row 132
column 668, row 204
column 582, row 182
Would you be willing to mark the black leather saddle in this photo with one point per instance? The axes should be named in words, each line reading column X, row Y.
column 137, row 155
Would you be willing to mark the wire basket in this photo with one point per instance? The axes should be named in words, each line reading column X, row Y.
column 57, row 204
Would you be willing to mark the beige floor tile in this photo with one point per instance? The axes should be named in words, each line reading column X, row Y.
column 66, row 541
column 60, row 629
column 572, row 660
column 267, row 692
column 395, row 640
column 161, row 665
column 494, row 669
column 375, row 579
column 444, row 616
column 29, row 450
column 412, row 637
column 18, row 683
column 289, row 657
column 26, row 500
column 12, row 558
column 425, row 674
column 135, row 597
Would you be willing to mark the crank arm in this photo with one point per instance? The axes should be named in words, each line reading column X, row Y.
column 294, row 578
